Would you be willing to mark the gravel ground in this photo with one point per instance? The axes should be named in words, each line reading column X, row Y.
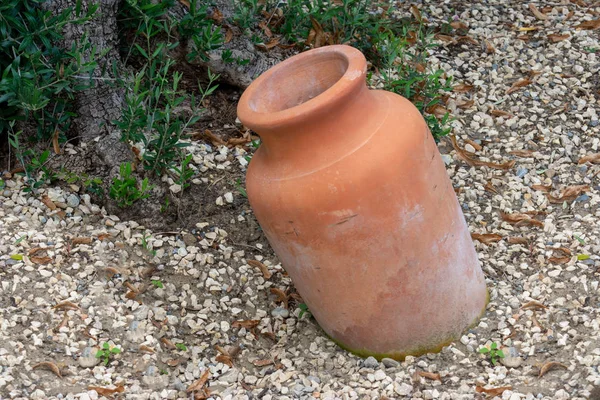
column 189, row 314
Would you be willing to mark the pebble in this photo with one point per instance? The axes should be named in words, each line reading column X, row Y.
column 511, row 358
column 280, row 312
column 88, row 359
column 390, row 363
column 73, row 200
column 371, row 362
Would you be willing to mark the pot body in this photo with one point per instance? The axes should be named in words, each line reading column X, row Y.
column 359, row 209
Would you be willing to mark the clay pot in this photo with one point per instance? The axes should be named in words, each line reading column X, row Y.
column 353, row 196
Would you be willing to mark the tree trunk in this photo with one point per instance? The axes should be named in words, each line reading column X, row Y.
column 97, row 106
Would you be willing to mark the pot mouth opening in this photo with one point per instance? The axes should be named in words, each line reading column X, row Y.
column 302, row 84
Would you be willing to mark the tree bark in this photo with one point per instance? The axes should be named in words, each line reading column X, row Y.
column 97, row 106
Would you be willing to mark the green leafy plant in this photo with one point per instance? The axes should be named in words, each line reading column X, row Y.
column 240, row 188
column 38, row 79
column 157, row 283
column 303, row 309
column 494, row 352
column 184, row 173
column 106, row 352
column 125, row 189
column 146, row 247
column 246, row 13
column 34, row 165
column 181, row 346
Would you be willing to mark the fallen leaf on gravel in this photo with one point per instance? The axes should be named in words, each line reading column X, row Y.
column 517, row 240
column 465, row 104
column 489, row 47
column 263, row 268
column 538, row 14
column 247, row 324
column 537, row 323
column 35, row 250
column 533, row 305
column 589, row 25
column 486, row 238
column 458, row 25
column 168, row 344
column 104, row 236
column 542, row 188
column 82, row 240
column 225, row 360
column 445, row 38
column 462, row 88
column 63, row 323
column 518, row 85
column 528, row 28
column 146, row 349
column 568, row 194
column 199, row 384
column 563, row 257
column 492, row 392
column 465, row 156
column 49, row 203
column 66, row 305
column 429, row 375
column 500, row 113
column 522, row 153
column 49, row 365
column 263, row 25
column 555, row 37
column 416, row 13
column 593, row 158
column 262, row 363
column 490, row 188
column 467, row 39
column 521, row 219
column 549, row 366
column 475, row 145
column 281, row 296
column 215, row 140
column 107, row 391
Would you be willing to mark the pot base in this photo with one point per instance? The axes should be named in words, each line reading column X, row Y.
column 419, row 351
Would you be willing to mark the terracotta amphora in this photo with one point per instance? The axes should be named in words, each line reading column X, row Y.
column 351, row 192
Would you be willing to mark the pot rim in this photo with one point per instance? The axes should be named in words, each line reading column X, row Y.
column 353, row 78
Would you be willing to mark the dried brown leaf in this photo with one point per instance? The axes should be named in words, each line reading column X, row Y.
column 486, row 238
column 589, row 25
column 542, row 188
column 568, row 194
column 518, row 85
column 521, row 219
column 185, row 3
column 416, row 13
column 528, row 28
column 215, row 140
column 82, row 240
column 262, row 363
column 247, row 324
column 522, row 153
column 490, row 188
column 467, row 39
column 228, row 35
column 263, row 25
column 465, row 104
column 475, row 145
column 217, row 16
column 549, row 366
column 570, row 15
column 555, row 37
column 48, row 203
column 281, row 296
column 462, row 88
column 263, row 268
column 445, row 38
column 429, row 375
column 40, row 260
column 591, row 158
column 517, row 240
column 103, row 236
column 120, row 388
column 538, row 14
column 55, row 144
column 199, row 384
column 146, row 349
column 62, row 324
column 66, row 305
column 222, row 358
column 459, row 25
column 489, row 47
column 50, row 366
column 469, row 159
column 168, row 344
column 492, row 392
column 533, row 305
column 35, row 250
column 500, row 113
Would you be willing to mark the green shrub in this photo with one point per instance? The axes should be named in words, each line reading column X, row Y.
column 37, row 78
column 125, row 190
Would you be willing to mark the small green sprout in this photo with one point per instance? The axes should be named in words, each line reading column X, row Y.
column 493, row 352
column 158, row 284
column 106, row 352
column 181, row 346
